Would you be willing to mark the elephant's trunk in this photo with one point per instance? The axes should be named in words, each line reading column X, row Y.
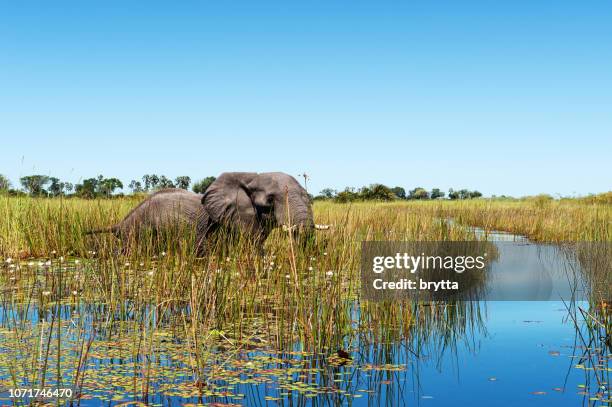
column 295, row 213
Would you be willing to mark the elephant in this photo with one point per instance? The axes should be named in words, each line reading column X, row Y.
column 248, row 203
column 162, row 211
column 254, row 204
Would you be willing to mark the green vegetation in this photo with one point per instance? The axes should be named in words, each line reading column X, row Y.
column 5, row 184
column 98, row 187
column 202, row 314
column 380, row 192
column 90, row 188
column 35, row 227
column 201, row 186
column 202, row 327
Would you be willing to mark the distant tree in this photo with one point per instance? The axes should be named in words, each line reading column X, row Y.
column 418, row 193
column 182, row 182
column 436, row 193
column 165, row 182
column 348, row 195
column 154, row 179
column 327, row 193
column 399, row 192
column 56, row 188
column 378, row 192
column 106, row 186
column 146, row 179
column 87, row 189
column 35, row 184
column 463, row 194
column 135, row 186
column 151, row 181
column 5, row 184
column 201, row 185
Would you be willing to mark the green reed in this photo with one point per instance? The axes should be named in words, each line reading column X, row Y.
column 87, row 296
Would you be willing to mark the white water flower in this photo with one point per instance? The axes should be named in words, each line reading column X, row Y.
column 31, row 264
column 77, row 261
column 74, row 292
column 310, row 268
column 329, row 273
column 150, row 273
column 163, row 254
column 324, row 253
column 287, row 276
column 127, row 264
column 141, row 264
column 48, row 263
column 9, row 260
column 271, row 263
column 62, row 258
column 46, row 293
column 53, row 252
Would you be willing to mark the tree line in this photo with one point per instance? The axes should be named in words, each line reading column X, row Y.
column 380, row 192
column 103, row 187
column 98, row 187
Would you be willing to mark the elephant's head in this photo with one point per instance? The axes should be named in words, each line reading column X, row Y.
column 257, row 203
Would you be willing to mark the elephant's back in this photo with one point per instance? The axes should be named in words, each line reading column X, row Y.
column 165, row 208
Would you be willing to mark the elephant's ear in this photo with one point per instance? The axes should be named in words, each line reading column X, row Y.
column 227, row 201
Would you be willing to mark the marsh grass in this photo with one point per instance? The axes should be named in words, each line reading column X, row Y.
column 539, row 220
column 157, row 319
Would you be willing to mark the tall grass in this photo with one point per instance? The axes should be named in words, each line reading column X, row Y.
column 539, row 220
column 159, row 305
column 36, row 227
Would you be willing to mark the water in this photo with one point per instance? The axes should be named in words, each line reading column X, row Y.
column 511, row 364
column 499, row 353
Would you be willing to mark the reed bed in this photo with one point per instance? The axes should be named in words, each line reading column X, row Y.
column 37, row 227
column 82, row 311
column 539, row 220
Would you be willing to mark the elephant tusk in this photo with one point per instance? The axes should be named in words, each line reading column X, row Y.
column 322, row 227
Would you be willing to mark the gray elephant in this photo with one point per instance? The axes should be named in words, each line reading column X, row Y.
column 257, row 203
column 163, row 211
column 245, row 202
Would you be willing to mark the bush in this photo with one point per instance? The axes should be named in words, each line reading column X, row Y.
column 377, row 192
column 202, row 185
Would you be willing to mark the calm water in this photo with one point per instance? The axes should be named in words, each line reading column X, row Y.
column 518, row 353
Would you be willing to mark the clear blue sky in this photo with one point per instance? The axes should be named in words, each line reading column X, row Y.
column 507, row 97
